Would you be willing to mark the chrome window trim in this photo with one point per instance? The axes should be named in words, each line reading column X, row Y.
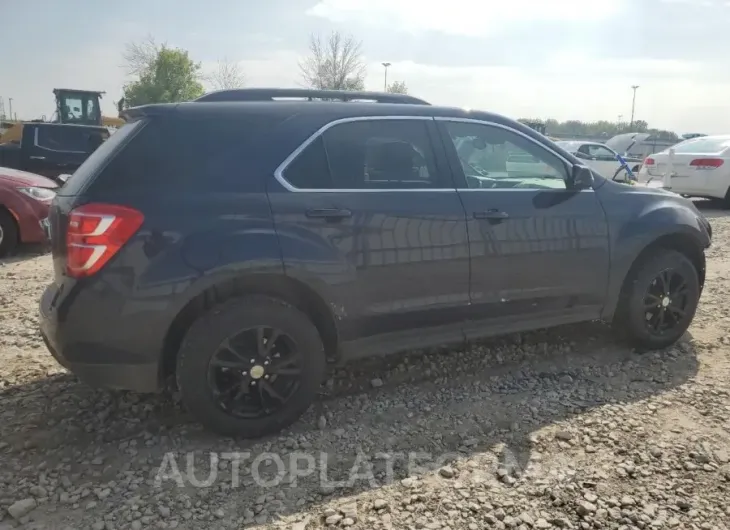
column 520, row 133
column 279, row 171
column 513, row 190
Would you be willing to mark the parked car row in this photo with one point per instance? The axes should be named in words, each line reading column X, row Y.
column 697, row 167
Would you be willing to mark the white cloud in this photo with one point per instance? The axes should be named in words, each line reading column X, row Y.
column 464, row 17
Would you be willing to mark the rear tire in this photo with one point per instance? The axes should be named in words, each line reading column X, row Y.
column 659, row 300
column 9, row 236
column 230, row 334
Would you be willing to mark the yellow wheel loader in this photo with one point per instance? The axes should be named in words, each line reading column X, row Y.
column 58, row 147
column 79, row 107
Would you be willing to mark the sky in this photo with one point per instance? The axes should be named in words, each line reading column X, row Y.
column 562, row 59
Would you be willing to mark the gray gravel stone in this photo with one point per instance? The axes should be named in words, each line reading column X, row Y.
column 21, row 508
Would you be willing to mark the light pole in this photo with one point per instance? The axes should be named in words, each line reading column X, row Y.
column 633, row 105
column 385, row 81
column 10, row 104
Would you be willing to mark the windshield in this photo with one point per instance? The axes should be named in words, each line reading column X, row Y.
column 703, row 145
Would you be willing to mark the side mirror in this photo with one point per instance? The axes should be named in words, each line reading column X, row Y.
column 581, row 178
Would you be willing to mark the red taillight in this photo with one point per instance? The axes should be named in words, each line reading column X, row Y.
column 95, row 233
column 706, row 163
column 649, row 162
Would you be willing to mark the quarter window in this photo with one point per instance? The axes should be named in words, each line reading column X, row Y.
column 368, row 154
column 496, row 158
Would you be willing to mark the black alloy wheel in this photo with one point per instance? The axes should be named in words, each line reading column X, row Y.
column 250, row 366
column 658, row 299
column 666, row 302
column 255, row 372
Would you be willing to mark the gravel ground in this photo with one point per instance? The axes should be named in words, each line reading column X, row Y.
column 557, row 429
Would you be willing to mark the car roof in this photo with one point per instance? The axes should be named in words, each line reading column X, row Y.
column 320, row 108
column 328, row 109
column 319, row 113
column 709, row 137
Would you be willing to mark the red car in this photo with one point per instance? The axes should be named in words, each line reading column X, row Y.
column 24, row 201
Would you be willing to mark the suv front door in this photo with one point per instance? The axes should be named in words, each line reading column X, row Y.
column 368, row 215
column 545, row 245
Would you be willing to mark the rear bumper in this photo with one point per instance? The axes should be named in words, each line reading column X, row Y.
column 95, row 363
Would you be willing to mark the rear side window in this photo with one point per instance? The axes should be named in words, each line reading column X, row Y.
column 213, row 154
column 310, row 170
column 368, row 154
column 91, row 165
column 69, row 138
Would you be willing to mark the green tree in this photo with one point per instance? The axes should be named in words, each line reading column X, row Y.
column 168, row 77
column 398, row 87
column 336, row 64
column 602, row 129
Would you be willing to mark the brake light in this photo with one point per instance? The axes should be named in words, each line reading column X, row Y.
column 95, row 234
column 649, row 162
column 706, row 163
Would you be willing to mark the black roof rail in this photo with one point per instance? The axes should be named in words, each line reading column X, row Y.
column 272, row 94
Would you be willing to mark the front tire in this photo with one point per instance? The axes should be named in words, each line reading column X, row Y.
column 8, row 233
column 659, row 300
column 250, row 367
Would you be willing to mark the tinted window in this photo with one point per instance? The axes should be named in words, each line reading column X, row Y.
column 368, row 154
column 310, row 170
column 493, row 157
column 69, row 138
column 92, row 164
column 211, row 154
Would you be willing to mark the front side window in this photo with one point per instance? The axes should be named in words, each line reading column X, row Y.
column 368, row 154
column 600, row 152
column 72, row 109
column 497, row 158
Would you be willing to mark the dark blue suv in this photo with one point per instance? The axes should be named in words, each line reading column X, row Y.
column 241, row 241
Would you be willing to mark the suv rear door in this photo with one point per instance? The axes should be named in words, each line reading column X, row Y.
column 546, row 246
column 367, row 213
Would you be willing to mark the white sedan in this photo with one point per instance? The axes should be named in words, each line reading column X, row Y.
column 600, row 158
column 699, row 167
